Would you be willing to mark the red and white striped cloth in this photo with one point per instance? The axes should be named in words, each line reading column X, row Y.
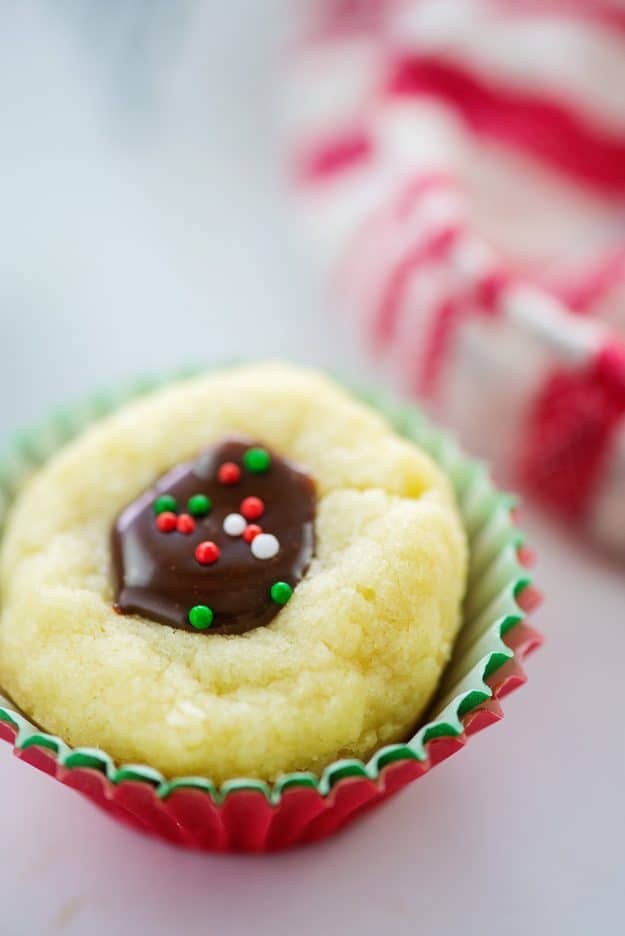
column 461, row 167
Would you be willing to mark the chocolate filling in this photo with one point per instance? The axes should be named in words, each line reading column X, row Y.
column 156, row 570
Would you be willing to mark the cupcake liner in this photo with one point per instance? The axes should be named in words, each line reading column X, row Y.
column 245, row 814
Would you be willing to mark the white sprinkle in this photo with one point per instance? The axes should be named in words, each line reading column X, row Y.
column 265, row 546
column 234, row 524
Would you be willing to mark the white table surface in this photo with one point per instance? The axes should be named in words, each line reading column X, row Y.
column 108, row 235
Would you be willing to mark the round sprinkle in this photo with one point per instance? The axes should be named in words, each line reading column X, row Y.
column 166, row 521
column 207, row 552
column 257, row 460
column 265, row 546
column 252, row 508
column 185, row 524
column 234, row 524
column 199, row 505
column 165, row 504
column 280, row 592
column 200, row 617
column 229, row 473
column 251, row 531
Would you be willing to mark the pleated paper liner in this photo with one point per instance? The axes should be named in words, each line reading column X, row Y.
column 250, row 815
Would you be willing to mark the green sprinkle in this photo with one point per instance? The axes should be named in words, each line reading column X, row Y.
column 165, row 502
column 200, row 617
column 257, row 460
column 281, row 592
column 199, row 505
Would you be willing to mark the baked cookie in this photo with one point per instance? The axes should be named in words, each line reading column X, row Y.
column 241, row 574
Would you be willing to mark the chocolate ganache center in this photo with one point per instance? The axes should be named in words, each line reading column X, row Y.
column 218, row 543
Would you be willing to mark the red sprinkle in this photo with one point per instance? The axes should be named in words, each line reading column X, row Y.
column 185, row 524
column 166, row 521
column 207, row 552
column 252, row 508
column 229, row 473
column 251, row 531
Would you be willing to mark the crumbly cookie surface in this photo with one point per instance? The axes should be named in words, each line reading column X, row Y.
column 346, row 666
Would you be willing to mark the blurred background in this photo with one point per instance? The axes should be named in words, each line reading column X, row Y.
column 148, row 220
column 145, row 221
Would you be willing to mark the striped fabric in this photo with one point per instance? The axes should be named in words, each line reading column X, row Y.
column 460, row 169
